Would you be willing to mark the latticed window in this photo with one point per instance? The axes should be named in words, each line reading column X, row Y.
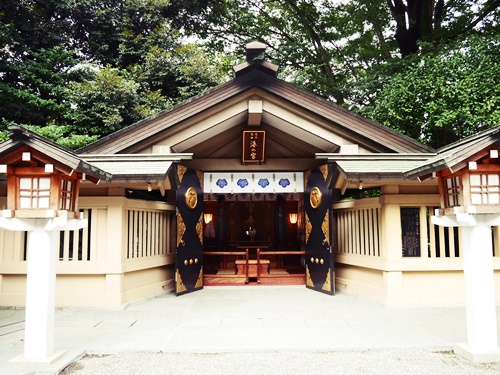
column 453, row 194
column 34, row 192
column 66, row 202
column 485, row 188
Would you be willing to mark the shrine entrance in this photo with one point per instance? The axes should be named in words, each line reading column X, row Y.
column 266, row 237
column 253, row 238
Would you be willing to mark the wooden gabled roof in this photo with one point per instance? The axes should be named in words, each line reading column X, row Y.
column 191, row 123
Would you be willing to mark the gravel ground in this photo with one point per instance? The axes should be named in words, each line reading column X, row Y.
column 387, row 362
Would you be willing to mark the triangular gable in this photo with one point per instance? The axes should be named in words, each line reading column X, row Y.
column 288, row 111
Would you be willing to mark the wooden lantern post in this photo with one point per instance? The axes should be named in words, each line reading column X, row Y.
column 470, row 199
column 42, row 199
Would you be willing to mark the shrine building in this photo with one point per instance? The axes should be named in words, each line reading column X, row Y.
column 255, row 182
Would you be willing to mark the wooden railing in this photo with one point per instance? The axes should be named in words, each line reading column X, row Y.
column 147, row 233
column 75, row 245
column 358, row 231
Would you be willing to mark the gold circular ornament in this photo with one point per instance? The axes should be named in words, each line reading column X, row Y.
column 321, row 261
column 317, row 260
column 195, row 260
column 186, row 262
column 315, row 197
column 191, row 198
column 312, row 260
column 190, row 261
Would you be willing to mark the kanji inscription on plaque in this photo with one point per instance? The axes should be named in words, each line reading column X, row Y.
column 254, row 143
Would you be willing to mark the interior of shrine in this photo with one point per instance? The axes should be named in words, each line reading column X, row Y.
column 267, row 227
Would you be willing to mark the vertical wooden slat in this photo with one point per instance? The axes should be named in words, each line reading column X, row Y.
column 451, row 241
column 342, row 232
column 354, row 232
column 345, row 220
column 424, row 236
column 345, row 232
column 140, row 240
column 349, row 231
column 460, row 247
column 147, row 233
column 130, row 245
column 371, row 239
column 496, row 241
column 376, row 232
column 154, row 233
column 65, row 235
column 85, row 236
column 442, row 243
column 357, row 230
column 372, row 232
column 432, row 236
column 136, row 234
column 76, row 242
column 157, row 232
column 340, row 238
column 165, row 232
column 366, row 231
column 85, row 243
column 341, row 247
column 170, row 234
column 151, row 233
column 163, row 229
column 360, row 232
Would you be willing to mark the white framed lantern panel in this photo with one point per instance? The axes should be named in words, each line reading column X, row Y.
column 251, row 182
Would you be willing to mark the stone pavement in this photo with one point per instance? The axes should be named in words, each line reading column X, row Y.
column 240, row 319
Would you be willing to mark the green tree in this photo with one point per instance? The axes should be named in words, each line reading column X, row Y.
column 444, row 95
column 105, row 102
column 92, row 67
column 34, row 91
column 347, row 51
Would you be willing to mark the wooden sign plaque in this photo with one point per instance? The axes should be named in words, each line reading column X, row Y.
column 254, row 144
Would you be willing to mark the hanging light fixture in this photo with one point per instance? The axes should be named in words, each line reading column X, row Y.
column 207, row 218
column 293, row 218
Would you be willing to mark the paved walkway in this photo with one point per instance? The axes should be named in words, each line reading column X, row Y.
column 241, row 319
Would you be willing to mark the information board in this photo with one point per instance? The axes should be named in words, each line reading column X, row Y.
column 410, row 231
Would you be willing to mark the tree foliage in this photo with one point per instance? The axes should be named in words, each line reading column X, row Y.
column 348, row 51
column 446, row 94
column 92, row 67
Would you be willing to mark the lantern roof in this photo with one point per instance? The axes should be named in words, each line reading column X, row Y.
column 456, row 155
column 48, row 152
